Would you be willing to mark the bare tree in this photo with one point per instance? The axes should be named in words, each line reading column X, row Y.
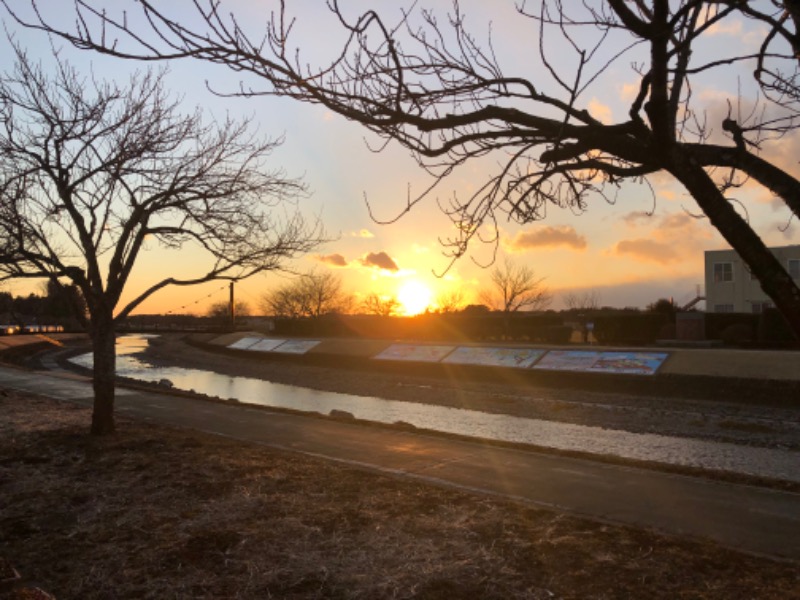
column 588, row 300
column 220, row 312
column 92, row 173
column 515, row 288
column 310, row 295
column 222, row 309
column 430, row 85
column 452, row 301
column 324, row 294
column 282, row 302
column 384, row 306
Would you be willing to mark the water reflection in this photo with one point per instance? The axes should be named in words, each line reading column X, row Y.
column 780, row 464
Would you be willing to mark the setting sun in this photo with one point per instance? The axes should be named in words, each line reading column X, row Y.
column 414, row 297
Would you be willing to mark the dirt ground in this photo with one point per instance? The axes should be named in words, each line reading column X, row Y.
column 153, row 512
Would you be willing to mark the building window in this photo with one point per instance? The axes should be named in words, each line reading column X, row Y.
column 760, row 307
column 723, row 308
column 723, row 272
column 794, row 268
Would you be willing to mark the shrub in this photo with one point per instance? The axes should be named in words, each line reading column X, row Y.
column 772, row 327
column 668, row 331
column 557, row 334
column 737, row 334
column 716, row 323
column 627, row 328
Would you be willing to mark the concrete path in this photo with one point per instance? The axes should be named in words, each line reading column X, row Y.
column 748, row 518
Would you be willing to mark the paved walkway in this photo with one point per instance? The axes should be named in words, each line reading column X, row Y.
column 749, row 518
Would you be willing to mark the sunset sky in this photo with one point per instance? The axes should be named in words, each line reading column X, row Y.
column 643, row 247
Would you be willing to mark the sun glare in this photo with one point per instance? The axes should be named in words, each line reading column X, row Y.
column 414, row 297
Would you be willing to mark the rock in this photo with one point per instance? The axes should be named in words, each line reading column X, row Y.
column 341, row 414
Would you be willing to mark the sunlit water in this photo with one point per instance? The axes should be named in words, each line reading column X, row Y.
column 780, row 464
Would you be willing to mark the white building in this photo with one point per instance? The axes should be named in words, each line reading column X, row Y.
column 730, row 287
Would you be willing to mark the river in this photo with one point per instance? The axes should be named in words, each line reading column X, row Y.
column 704, row 454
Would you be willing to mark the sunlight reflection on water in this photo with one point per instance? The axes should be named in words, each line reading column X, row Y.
column 781, row 464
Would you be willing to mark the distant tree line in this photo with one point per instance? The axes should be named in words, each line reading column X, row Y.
column 56, row 304
column 609, row 326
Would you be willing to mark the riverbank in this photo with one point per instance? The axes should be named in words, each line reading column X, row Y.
column 722, row 420
column 724, row 440
column 161, row 512
column 768, row 377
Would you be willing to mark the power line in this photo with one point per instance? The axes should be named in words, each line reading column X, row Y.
column 182, row 309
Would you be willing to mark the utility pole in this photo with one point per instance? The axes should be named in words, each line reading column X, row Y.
column 232, row 311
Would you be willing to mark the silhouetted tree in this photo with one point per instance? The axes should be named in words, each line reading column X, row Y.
column 383, row 306
column 476, row 310
column 220, row 312
column 65, row 301
column 90, row 170
column 430, row 85
column 6, row 302
column 589, row 300
column 30, row 306
column 310, row 295
column 664, row 306
column 514, row 288
column 450, row 302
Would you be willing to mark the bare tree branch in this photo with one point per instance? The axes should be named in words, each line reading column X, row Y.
column 515, row 288
column 429, row 85
column 89, row 172
column 312, row 294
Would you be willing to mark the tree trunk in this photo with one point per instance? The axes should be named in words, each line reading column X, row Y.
column 773, row 277
column 103, row 341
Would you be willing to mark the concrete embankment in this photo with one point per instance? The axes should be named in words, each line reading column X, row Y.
column 769, row 376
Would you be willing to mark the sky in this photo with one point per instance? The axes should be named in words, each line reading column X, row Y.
column 647, row 244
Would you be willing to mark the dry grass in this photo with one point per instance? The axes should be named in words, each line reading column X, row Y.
column 154, row 512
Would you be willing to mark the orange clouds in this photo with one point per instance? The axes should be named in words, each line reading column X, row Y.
column 334, row 260
column 548, row 237
column 637, row 217
column 664, row 225
column 647, row 249
column 372, row 260
column 380, row 260
column 672, row 238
